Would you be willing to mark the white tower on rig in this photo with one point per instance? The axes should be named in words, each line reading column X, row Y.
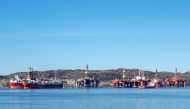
column 86, row 72
column 124, row 76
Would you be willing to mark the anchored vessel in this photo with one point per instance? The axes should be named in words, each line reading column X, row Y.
column 86, row 81
column 140, row 81
column 175, row 81
column 31, row 83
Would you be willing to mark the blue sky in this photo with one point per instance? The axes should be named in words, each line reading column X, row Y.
column 64, row 34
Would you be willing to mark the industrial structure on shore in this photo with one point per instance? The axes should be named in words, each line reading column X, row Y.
column 33, row 83
column 175, row 81
column 87, row 80
column 140, row 81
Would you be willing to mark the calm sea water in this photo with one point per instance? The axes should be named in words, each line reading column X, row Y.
column 96, row 99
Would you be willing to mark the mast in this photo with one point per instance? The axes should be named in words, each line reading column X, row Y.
column 139, row 73
column 86, row 72
column 39, row 76
column 123, row 76
column 55, row 76
column 156, row 70
column 176, row 71
column 30, row 73
column 156, row 74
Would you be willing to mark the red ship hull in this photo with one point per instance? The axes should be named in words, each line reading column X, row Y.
column 21, row 85
column 16, row 85
column 34, row 86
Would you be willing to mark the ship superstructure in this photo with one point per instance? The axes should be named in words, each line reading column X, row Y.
column 87, row 81
column 138, row 81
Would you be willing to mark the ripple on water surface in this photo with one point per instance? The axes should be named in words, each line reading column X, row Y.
column 96, row 99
